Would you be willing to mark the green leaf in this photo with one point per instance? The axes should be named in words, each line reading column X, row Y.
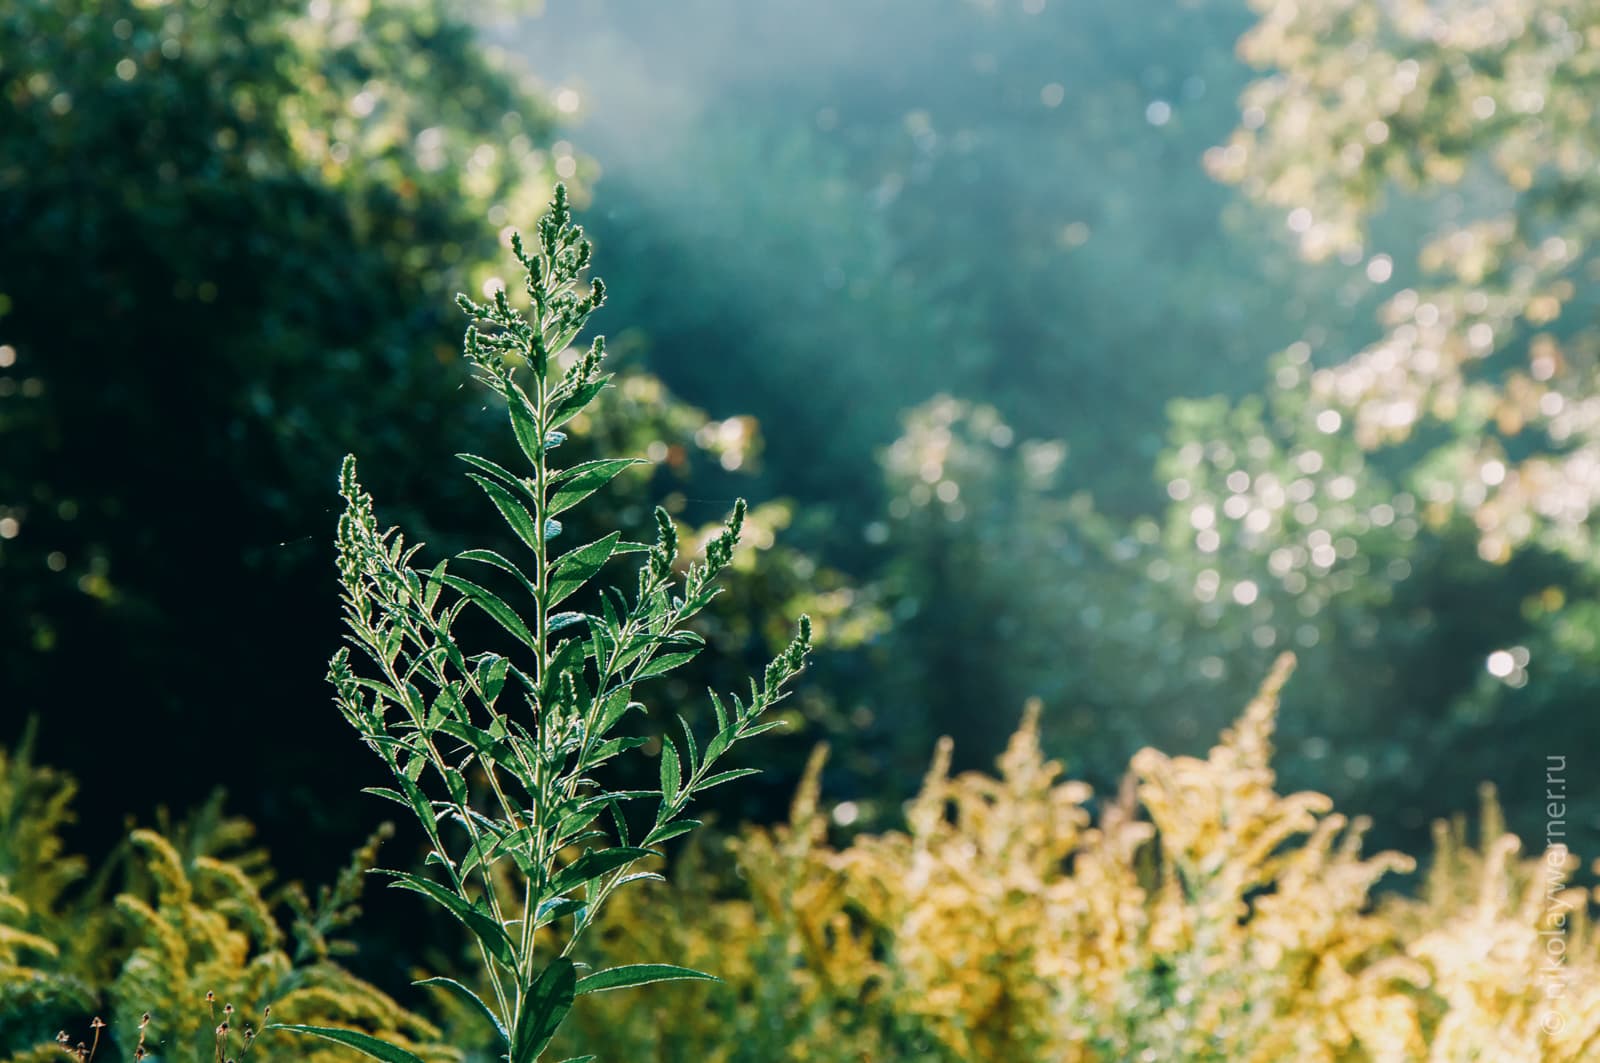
column 525, row 424
column 420, row 806
column 669, row 770
column 591, row 864
column 563, row 338
column 472, row 998
column 635, row 974
column 639, row 876
column 610, row 797
column 550, row 911
column 573, row 404
column 483, row 926
column 492, row 604
column 499, row 472
column 387, row 794
column 581, row 481
column 761, row 728
column 510, row 842
column 565, row 660
column 514, row 512
column 492, row 676
column 361, row 1042
column 667, row 831
column 610, row 748
column 725, row 776
column 543, row 1009
column 666, row 663
column 578, row 566
column 614, row 708
column 561, row 620
column 602, row 640
column 484, row 743
column 489, row 557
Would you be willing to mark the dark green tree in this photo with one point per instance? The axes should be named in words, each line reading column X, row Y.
column 231, row 236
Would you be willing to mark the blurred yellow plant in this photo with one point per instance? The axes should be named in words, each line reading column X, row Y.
column 204, row 931
column 1200, row 915
column 1197, row 914
column 190, row 939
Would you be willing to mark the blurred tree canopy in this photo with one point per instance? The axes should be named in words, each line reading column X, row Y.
column 232, row 234
column 1482, row 120
column 1409, row 514
column 1475, row 408
column 988, row 256
column 999, row 201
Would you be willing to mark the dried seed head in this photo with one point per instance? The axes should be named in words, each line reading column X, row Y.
column 211, row 998
column 97, row 1024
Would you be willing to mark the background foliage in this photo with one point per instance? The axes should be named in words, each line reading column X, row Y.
column 1129, row 422
column 1115, row 349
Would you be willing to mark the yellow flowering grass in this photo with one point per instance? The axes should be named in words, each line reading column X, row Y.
column 1197, row 915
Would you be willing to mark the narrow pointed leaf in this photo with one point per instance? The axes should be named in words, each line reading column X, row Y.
column 573, row 404
column 666, row 663
column 578, row 566
column 614, row 708
column 492, row 676
column 543, row 1010
column 694, row 751
column 526, row 427
column 499, row 561
column 513, row 842
column 495, row 606
column 499, row 472
column 561, row 620
column 669, row 770
column 482, row 925
column 591, row 864
column 639, row 974
column 387, row 794
column 471, row 998
column 550, row 911
column 611, row 747
column 725, row 776
column 581, row 481
column 514, row 512
column 667, row 831
column 364, row 1043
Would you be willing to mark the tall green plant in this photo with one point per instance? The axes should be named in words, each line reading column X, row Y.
column 497, row 754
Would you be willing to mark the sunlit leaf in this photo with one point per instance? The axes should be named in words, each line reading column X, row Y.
column 638, row 974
